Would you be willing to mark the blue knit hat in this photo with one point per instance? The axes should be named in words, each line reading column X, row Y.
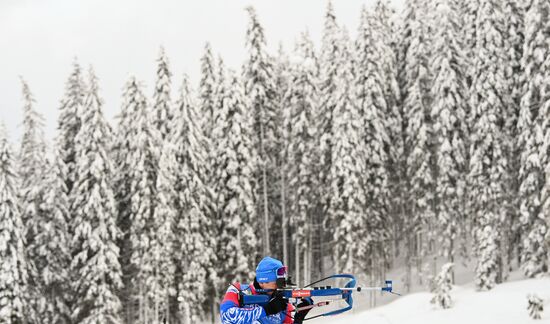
column 266, row 271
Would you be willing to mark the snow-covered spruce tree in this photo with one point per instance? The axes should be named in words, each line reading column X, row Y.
column 371, row 104
column 414, row 17
column 162, row 113
column 14, row 302
column 449, row 102
column 468, row 14
column 69, row 120
column 514, row 11
column 283, row 79
column 443, row 285
column 385, row 27
column 545, row 213
column 258, row 78
column 123, row 146
column 217, row 283
column 533, row 140
column 52, row 258
column 383, row 31
column 32, row 168
column 302, row 99
column 347, row 183
column 233, row 185
column 143, row 154
column 535, row 306
column 95, row 268
column 383, row 21
column 207, row 88
column 515, row 32
column 31, row 165
column 195, row 239
column 487, row 179
column 160, row 277
column 329, row 61
column 418, row 138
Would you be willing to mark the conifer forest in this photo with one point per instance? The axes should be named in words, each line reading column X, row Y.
column 423, row 139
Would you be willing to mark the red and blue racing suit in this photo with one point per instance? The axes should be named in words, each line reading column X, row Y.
column 232, row 313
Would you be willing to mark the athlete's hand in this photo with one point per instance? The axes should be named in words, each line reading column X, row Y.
column 276, row 304
column 301, row 315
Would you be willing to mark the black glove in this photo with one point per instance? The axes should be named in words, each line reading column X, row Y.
column 276, row 304
column 301, row 315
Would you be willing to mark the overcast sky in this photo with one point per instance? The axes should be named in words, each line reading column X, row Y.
column 40, row 38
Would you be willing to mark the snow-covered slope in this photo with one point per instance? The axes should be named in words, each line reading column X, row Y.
column 505, row 304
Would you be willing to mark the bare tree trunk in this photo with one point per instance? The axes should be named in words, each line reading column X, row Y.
column 297, row 256
column 264, row 189
column 141, row 306
column 306, row 267
column 408, row 262
column 310, row 256
column 167, row 318
column 157, row 310
column 452, row 260
column 419, row 244
column 214, row 310
column 283, row 209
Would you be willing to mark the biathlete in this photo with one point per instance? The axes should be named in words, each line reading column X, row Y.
column 271, row 275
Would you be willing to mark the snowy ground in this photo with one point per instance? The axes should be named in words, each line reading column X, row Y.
column 505, row 304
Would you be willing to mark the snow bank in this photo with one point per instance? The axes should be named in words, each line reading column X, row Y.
column 505, row 304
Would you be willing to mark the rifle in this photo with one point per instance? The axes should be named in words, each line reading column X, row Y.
column 297, row 294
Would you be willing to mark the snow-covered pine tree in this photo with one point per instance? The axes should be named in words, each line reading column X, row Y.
column 533, row 139
column 32, row 167
column 347, row 183
column 69, row 120
column 234, row 187
column 258, row 78
column 329, row 61
column 53, row 256
column 487, row 179
column 416, row 79
column 449, row 95
column 371, row 101
column 443, row 285
column 14, row 302
column 195, row 240
column 162, row 112
column 207, row 88
column 95, row 268
column 302, row 99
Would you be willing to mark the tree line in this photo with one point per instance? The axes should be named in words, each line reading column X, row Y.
column 425, row 136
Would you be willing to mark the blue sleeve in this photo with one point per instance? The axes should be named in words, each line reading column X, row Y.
column 240, row 315
column 231, row 313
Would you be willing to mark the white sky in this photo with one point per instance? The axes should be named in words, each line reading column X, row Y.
column 40, row 38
